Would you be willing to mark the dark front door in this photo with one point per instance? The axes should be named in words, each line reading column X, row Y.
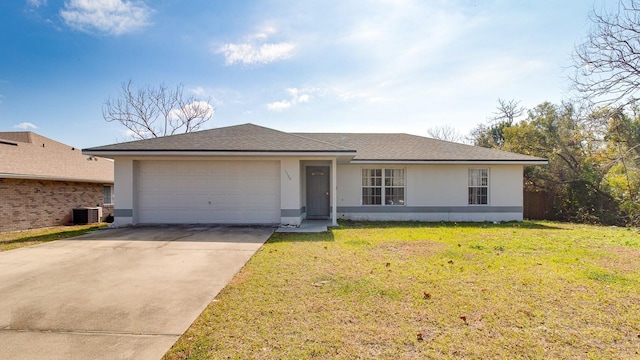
column 318, row 192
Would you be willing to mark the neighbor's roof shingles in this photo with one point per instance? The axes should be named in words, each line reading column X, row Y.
column 24, row 154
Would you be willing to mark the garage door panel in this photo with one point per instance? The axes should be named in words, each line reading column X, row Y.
column 157, row 183
column 162, row 217
column 218, row 198
column 198, row 184
column 184, row 183
column 167, row 167
column 185, row 167
column 265, row 200
column 149, row 167
column 209, row 192
column 185, row 202
column 201, row 216
column 221, row 215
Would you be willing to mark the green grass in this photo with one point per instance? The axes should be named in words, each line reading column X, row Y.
column 17, row 239
column 532, row 290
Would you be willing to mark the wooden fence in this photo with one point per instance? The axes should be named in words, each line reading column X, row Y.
column 536, row 206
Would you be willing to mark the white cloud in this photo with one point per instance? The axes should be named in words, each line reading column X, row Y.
column 256, row 50
column 36, row 3
column 254, row 54
column 198, row 91
column 135, row 134
column 297, row 96
column 25, row 126
column 264, row 34
column 197, row 107
column 495, row 75
column 112, row 17
column 279, row 105
column 423, row 63
column 374, row 55
column 213, row 96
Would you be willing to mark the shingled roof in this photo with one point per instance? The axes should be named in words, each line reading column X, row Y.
column 239, row 138
column 405, row 147
column 363, row 146
column 27, row 155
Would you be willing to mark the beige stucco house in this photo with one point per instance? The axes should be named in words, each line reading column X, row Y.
column 42, row 180
column 248, row 174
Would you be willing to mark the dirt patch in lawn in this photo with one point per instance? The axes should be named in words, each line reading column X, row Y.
column 621, row 258
column 411, row 248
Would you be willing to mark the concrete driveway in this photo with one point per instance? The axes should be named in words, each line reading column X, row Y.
column 116, row 294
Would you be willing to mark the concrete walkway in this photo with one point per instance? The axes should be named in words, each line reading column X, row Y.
column 307, row 226
column 115, row 294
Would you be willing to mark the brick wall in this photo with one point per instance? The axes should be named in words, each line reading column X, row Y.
column 30, row 204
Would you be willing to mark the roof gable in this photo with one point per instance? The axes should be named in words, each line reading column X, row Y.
column 24, row 154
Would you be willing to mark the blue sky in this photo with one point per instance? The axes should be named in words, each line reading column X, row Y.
column 321, row 66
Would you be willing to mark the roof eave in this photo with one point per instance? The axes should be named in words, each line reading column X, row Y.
column 117, row 153
column 451, row 161
column 54, row 178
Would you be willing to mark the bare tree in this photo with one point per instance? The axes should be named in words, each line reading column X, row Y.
column 607, row 64
column 491, row 135
column 157, row 111
column 446, row 132
column 507, row 112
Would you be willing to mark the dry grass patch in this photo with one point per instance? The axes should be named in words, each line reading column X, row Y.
column 416, row 290
column 10, row 240
column 621, row 258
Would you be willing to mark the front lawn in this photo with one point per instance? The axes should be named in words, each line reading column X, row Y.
column 415, row 290
column 16, row 239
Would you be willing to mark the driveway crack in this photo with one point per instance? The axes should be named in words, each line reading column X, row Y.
column 167, row 242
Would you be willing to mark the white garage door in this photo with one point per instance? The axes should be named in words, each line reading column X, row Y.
column 192, row 192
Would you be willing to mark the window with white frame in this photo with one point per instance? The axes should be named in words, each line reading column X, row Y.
column 478, row 186
column 107, row 191
column 383, row 186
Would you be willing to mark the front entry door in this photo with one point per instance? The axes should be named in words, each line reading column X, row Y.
column 318, row 192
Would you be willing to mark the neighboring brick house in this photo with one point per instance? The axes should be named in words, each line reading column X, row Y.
column 42, row 180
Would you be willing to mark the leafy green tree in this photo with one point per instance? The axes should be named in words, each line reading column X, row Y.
column 574, row 177
column 593, row 173
column 489, row 136
column 623, row 153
